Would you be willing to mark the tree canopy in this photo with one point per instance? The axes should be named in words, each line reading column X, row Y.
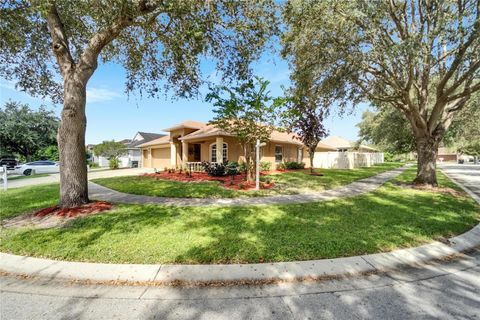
column 420, row 57
column 159, row 43
column 25, row 131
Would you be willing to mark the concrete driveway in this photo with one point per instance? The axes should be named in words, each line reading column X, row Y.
column 466, row 174
column 93, row 174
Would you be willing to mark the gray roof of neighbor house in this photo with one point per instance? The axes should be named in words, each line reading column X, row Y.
column 342, row 143
column 147, row 137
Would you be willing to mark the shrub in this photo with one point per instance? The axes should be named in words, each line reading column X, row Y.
column 292, row 165
column 265, row 165
column 232, row 168
column 113, row 163
column 242, row 167
column 281, row 166
column 93, row 165
column 214, row 169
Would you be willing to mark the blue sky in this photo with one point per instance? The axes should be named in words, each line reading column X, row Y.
column 112, row 115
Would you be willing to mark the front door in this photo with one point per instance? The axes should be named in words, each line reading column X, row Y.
column 194, row 152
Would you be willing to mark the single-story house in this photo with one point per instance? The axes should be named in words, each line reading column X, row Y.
column 192, row 142
column 447, row 154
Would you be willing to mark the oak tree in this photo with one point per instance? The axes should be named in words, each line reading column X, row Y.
column 420, row 57
column 52, row 48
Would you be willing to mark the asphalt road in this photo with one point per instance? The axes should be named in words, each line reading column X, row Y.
column 467, row 174
column 443, row 290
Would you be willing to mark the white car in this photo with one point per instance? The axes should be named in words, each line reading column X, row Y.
column 43, row 166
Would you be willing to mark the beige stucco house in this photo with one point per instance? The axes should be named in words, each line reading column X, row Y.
column 194, row 142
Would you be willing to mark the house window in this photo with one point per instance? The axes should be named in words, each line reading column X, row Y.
column 278, row 153
column 213, row 152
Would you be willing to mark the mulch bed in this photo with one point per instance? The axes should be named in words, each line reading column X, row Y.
column 237, row 182
column 86, row 209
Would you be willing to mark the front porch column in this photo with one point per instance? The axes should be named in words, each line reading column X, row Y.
column 173, row 154
column 219, row 144
column 184, row 153
column 149, row 160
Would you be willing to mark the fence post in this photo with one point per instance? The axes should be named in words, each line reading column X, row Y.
column 4, row 177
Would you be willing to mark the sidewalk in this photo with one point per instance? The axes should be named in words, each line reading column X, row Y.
column 353, row 189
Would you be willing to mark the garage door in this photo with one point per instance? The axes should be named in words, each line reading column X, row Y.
column 161, row 158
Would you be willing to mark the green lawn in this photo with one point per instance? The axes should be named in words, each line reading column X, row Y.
column 285, row 183
column 28, row 177
column 23, row 200
column 391, row 217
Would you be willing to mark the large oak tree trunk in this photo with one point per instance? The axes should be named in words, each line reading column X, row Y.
column 71, row 144
column 427, row 149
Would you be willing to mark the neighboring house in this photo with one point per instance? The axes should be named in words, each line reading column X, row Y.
column 345, row 154
column 132, row 157
column 447, row 154
column 193, row 142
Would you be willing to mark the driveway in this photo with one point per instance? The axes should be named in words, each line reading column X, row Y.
column 93, row 174
column 466, row 174
column 441, row 290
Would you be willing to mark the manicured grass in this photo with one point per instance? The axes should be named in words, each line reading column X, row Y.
column 28, row 177
column 167, row 188
column 300, row 181
column 390, row 218
column 27, row 199
column 286, row 183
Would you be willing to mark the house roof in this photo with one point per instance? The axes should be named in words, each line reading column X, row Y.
column 342, row 143
column 147, row 137
column 162, row 140
column 187, row 124
column 211, row 131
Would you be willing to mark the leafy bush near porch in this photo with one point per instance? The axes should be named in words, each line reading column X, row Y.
column 265, row 166
column 292, row 165
column 214, row 169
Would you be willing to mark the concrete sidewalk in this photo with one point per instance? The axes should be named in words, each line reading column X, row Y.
column 353, row 189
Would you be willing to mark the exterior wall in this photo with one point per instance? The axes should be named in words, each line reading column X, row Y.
column 290, row 153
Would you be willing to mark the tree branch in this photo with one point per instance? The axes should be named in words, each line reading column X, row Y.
column 59, row 41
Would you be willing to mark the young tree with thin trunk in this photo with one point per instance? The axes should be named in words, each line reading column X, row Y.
column 248, row 113
column 51, row 48
column 305, row 114
column 421, row 57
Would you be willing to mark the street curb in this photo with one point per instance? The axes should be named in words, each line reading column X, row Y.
column 260, row 272
column 470, row 193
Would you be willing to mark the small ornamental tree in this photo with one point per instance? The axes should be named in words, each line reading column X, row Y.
column 111, row 150
column 305, row 113
column 420, row 57
column 25, row 131
column 51, row 48
column 306, row 122
column 247, row 112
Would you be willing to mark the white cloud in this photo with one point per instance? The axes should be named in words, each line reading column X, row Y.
column 101, row 95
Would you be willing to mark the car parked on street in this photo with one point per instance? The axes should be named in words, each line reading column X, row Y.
column 9, row 162
column 42, row 166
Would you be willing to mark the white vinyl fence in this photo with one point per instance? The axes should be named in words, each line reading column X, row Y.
column 346, row 160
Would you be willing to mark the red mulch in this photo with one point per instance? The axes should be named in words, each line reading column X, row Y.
column 86, row 209
column 237, row 183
